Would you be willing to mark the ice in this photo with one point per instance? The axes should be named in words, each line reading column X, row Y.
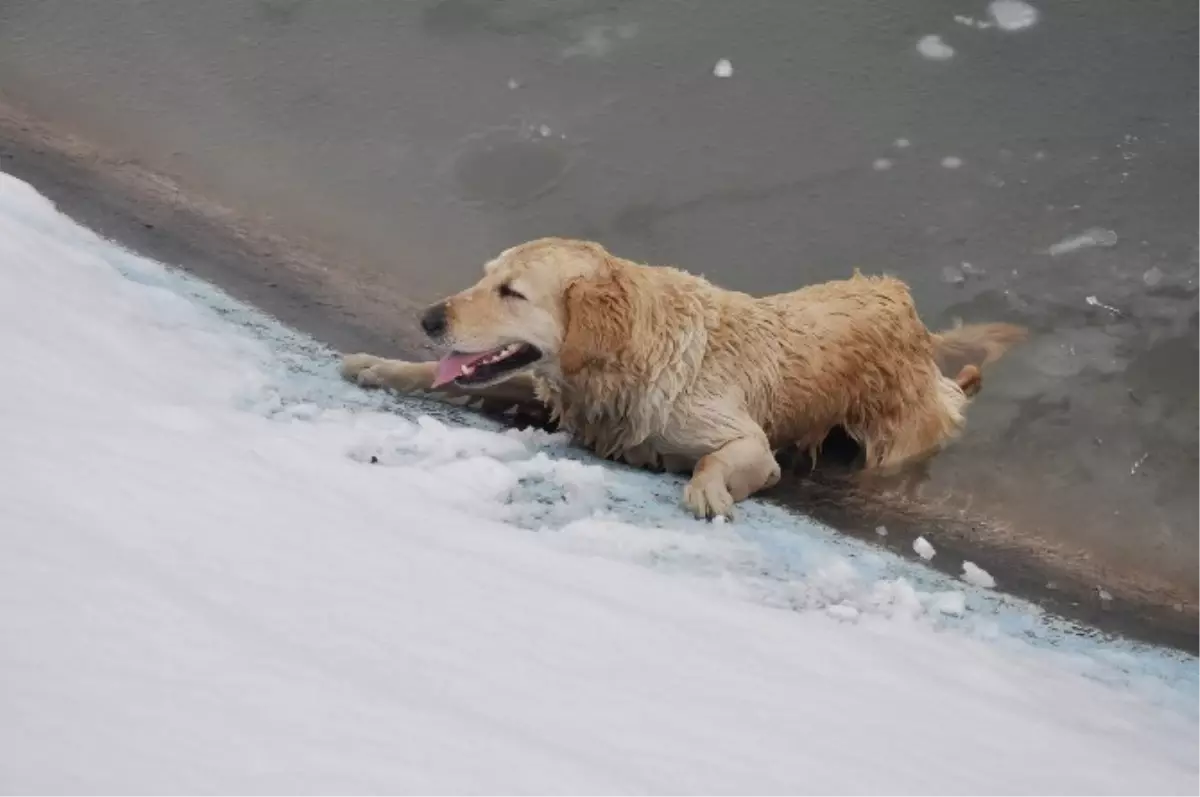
column 902, row 143
column 513, row 83
column 1012, row 15
column 934, row 48
column 881, row 164
column 924, row 548
column 1094, row 301
column 723, row 68
column 975, row 575
column 207, row 587
column 1094, row 236
column 972, row 22
column 953, row 275
column 951, row 162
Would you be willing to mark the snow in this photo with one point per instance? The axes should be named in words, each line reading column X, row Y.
column 207, row 587
column 977, row 576
column 952, row 603
column 723, row 68
column 924, row 548
column 1012, row 15
column 933, row 48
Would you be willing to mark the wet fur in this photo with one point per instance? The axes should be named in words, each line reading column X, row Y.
column 659, row 367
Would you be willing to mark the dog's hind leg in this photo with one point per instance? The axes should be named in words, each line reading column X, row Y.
column 367, row 370
column 730, row 474
column 915, row 430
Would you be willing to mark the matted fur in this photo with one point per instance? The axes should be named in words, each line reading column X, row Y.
column 659, row 367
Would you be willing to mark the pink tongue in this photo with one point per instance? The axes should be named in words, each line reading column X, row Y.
column 449, row 367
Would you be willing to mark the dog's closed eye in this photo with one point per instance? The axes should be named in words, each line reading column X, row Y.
column 507, row 292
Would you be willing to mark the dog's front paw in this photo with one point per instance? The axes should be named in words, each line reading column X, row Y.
column 708, row 497
column 362, row 369
column 355, row 364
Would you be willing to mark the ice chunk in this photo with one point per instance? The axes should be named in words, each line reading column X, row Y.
column 976, row 576
column 881, row 164
column 723, row 68
column 1094, row 236
column 933, row 48
column 1012, row 15
column 951, row 162
column 923, row 548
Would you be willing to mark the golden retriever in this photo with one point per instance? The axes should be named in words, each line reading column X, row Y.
column 658, row 367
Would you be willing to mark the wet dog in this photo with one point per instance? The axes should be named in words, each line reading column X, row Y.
column 657, row 367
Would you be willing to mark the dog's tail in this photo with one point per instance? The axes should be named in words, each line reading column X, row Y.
column 975, row 344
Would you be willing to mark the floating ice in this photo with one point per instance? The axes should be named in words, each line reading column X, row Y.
column 976, row 576
column 902, row 143
column 971, row 22
column 723, row 68
column 881, row 164
column 952, row 275
column 951, row 162
column 1012, row 15
column 923, row 548
column 1095, row 236
column 934, row 48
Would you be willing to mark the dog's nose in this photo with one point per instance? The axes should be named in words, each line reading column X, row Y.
column 433, row 321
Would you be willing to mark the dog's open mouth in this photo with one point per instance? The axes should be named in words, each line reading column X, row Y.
column 485, row 367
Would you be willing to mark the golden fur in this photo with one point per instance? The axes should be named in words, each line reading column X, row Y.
column 659, row 367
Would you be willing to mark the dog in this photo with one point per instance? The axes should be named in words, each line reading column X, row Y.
column 660, row 368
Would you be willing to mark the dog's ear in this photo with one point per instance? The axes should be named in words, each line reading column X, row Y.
column 599, row 322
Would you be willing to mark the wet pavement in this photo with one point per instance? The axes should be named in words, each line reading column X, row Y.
column 372, row 155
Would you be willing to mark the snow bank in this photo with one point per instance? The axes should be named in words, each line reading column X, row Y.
column 207, row 586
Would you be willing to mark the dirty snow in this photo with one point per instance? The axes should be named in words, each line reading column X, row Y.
column 924, row 548
column 207, row 587
column 934, row 48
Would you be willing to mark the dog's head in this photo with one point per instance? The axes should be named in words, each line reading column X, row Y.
column 549, row 304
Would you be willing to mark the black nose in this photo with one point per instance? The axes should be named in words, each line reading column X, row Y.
column 433, row 321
